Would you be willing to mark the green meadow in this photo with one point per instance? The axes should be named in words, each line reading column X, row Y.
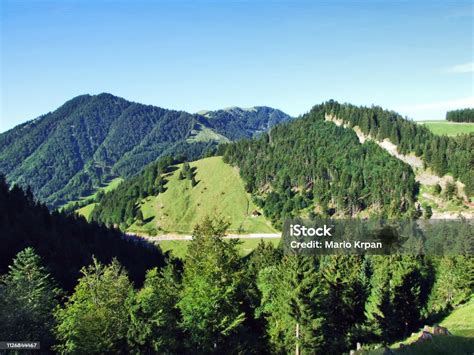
column 219, row 192
column 448, row 128
column 460, row 324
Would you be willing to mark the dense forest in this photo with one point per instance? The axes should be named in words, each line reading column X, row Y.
column 69, row 152
column 214, row 301
column 65, row 243
column 453, row 155
column 461, row 115
column 237, row 123
column 315, row 165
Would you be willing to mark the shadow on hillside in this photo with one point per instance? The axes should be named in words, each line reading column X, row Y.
column 148, row 220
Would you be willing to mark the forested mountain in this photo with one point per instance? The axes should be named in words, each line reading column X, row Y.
column 236, row 123
column 461, row 115
column 65, row 243
column 310, row 164
column 453, row 155
column 70, row 151
column 306, row 166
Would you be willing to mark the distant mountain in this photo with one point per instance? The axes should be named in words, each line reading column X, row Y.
column 91, row 138
column 236, row 123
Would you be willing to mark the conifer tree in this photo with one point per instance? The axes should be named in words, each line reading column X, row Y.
column 211, row 297
column 154, row 316
column 139, row 216
column 292, row 305
column 28, row 296
column 344, row 292
column 450, row 190
column 395, row 304
column 454, row 282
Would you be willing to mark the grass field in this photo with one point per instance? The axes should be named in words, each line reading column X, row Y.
column 86, row 210
column 460, row 324
column 179, row 248
column 204, row 134
column 448, row 128
column 219, row 192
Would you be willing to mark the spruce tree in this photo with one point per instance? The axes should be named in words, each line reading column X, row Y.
column 28, row 296
column 453, row 284
column 211, row 297
column 344, row 292
column 292, row 305
column 395, row 304
column 154, row 316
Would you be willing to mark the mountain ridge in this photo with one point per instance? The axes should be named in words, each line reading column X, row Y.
column 73, row 149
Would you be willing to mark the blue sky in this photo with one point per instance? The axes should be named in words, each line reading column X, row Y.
column 411, row 56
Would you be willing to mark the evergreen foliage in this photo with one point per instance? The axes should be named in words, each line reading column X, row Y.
column 119, row 206
column 65, row 243
column 68, row 153
column 461, row 115
column 310, row 164
column 218, row 302
column 28, row 296
column 211, row 297
column 153, row 315
column 292, row 305
column 453, row 155
column 398, row 296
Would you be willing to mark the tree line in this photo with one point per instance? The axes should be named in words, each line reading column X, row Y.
column 215, row 301
column 461, row 115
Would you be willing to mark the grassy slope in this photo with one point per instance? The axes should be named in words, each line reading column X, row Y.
column 87, row 209
column 460, row 324
column 219, row 192
column 205, row 134
column 448, row 128
column 179, row 247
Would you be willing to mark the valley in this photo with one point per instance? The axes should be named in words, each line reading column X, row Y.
column 229, row 177
column 214, row 201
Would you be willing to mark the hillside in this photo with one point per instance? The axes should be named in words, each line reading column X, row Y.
column 219, row 192
column 442, row 154
column 237, row 123
column 460, row 324
column 65, row 243
column 70, row 152
column 433, row 188
column 309, row 166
